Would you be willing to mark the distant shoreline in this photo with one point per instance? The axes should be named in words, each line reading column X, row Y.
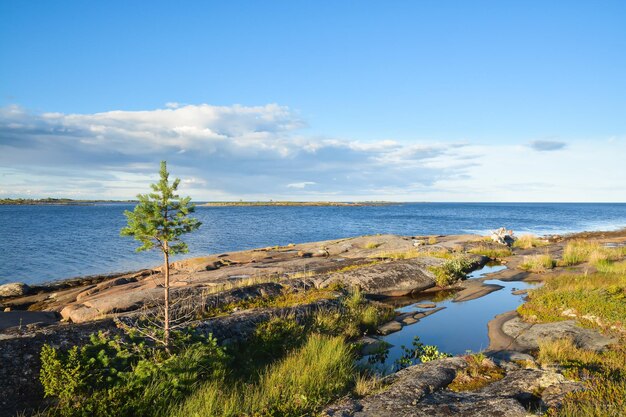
column 72, row 202
column 295, row 203
column 55, row 202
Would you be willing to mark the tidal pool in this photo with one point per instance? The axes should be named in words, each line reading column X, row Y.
column 460, row 326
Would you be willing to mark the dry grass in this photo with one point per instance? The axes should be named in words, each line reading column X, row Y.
column 243, row 282
column 528, row 242
column 538, row 263
column 432, row 240
column 579, row 251
column 490, row 251
column 366, row 384
column 357, row 266
column 371, row 245
column 415, row 253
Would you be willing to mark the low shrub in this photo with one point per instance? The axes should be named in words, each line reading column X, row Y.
column 109, row 377
column 480, row 371
column 451, row 270
column 603, row 375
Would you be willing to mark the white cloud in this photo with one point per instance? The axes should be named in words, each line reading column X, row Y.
column 300, row 185
column 260, row 152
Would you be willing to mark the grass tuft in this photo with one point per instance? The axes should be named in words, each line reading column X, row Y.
column 528, row 242
column 299, row 384
column 372, row 245
column 538, row 263
column 492, row 252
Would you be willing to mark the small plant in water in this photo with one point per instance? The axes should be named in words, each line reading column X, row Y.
column 418, row 352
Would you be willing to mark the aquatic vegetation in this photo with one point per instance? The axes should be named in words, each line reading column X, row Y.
column 418, row 352
column 538, row 263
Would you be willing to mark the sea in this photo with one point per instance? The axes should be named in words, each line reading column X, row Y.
column 44, row 243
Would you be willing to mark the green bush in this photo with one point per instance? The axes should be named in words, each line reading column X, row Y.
column 113, row 377
column 451, row 270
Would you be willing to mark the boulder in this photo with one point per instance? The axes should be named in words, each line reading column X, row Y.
column 503, row 236
column 371, row 345
column 14, row 289
column 391, row 327
column 420, row 391
column 393, row 279
column 527, row 335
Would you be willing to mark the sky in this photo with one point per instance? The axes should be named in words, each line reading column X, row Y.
column 315, row 100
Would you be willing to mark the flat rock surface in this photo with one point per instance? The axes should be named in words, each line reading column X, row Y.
column 421, row 390
column 351, row 262
column 509, row 331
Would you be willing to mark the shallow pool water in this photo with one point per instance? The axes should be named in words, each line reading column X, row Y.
column 459, row 327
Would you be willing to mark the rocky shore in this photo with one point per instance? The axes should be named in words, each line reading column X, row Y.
column 381, row 266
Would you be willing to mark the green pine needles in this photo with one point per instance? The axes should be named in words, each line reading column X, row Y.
column 159, row 220
column 161, row 217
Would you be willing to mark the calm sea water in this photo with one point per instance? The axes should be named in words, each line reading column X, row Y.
column 44, row 243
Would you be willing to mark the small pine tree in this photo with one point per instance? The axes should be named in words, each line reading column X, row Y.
column 158, row 221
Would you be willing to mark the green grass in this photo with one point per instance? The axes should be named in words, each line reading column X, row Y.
column 603, row 375
column 579, row 251
column 371, row 245
column 493, row 252
column 601, row 297
column 538, row 263
column 608, row 267
column 297, row 385
column 528, row 242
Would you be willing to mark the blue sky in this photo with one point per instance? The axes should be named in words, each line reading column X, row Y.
column 394, row 100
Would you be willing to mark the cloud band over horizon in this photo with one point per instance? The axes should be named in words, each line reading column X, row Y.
column 263, row 152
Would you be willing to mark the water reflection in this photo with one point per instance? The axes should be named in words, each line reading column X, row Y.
column 460, row 327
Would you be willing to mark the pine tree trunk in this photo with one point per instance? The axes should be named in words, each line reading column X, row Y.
column 166, row 324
